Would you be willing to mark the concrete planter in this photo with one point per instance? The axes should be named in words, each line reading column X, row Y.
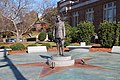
column 82, row 43
column 36, row 49
column 1, row 54
column 4, row 52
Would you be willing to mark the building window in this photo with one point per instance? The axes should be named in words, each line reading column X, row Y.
column 109, row 13
column 75, row 18
column 90, row 15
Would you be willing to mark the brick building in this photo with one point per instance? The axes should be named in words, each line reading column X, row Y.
column 95, row 11
column 40, row 26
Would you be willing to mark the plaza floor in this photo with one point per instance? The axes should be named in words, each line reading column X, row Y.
column 99, row 66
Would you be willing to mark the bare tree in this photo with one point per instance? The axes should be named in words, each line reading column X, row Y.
column 43, row 5
column 27, row 22
column 49, row 17
column 47, row 9
column 5, row 25
column 15, row 11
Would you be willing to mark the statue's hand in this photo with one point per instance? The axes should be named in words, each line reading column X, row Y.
column 53, row 37
column 64, row 37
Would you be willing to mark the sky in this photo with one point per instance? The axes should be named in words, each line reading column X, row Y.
column 55, row 1
column 37, row 3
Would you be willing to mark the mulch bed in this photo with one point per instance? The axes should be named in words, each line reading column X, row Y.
column 17, row 51
column 54, row 49
column 100, row 49
column 93, row 49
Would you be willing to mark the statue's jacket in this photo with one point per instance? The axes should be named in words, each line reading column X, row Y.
column 59, row 31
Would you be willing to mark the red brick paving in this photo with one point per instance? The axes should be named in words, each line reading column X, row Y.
column 48, row 71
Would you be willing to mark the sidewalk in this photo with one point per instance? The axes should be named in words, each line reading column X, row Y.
column 10, row 70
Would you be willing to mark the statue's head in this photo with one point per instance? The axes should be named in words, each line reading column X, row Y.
column 58, row 18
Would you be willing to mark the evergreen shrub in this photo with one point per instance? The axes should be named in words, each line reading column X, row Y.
column 85, row 31
column 50, row 36
column 68, row 34
column 17, row 46
column 109, row 34
column 74, row 35
column 42, row 36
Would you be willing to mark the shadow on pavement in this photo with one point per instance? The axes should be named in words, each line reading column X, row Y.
column 45, row 57
column 14, row 69
column 114, row 52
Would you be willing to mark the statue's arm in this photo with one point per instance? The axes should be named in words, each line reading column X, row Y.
column 54, row 33
column 64, row 33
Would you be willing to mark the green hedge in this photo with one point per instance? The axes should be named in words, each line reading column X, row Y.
column 17, row 46
column 74, row 35
column 32, row 44
column 50, row 36
column 42, row 36
column 68, row 30
column 109, row 34
column 117, row 38
column 2, row 47
column 85, row 31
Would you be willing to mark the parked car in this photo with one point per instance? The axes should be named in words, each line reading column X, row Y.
column 11, row 40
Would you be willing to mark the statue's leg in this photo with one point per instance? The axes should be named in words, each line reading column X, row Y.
column 62, row 47
column 59, row 50
column 58, row 47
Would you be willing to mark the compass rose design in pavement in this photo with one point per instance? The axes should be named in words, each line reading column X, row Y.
column 48, row 71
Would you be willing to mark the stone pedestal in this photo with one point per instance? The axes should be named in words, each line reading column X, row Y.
column 61, row 61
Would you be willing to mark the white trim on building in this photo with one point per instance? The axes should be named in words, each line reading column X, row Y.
column 90, row 14
column 66, row 3
column 83, row 4
column 75, row 18
column 109, row 11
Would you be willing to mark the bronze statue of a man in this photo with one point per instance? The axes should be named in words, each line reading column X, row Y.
column 59, row 35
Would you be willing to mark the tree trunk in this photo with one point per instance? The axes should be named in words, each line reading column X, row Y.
column 4, row 39
column 17, row 32
column 18, row 37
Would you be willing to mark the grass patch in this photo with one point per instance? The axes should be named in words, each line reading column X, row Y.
column 35, row 33
column 74, row 44
column 51, row 43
